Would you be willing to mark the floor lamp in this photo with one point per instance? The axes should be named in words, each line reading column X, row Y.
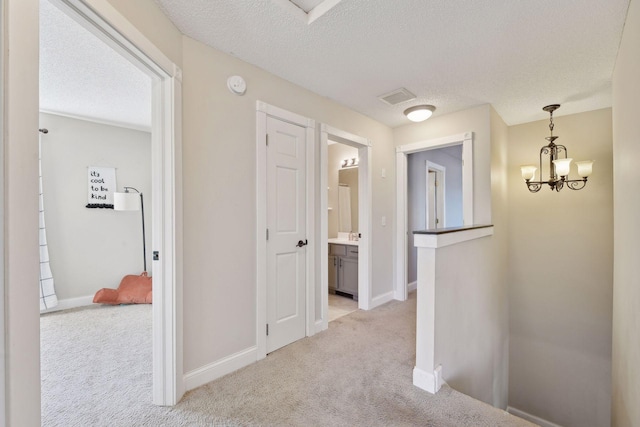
column 133, row 289
column 129, row 201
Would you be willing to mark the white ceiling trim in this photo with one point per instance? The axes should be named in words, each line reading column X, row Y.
column 312, row 15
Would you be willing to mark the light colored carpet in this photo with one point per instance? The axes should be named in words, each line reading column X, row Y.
column 358, row 373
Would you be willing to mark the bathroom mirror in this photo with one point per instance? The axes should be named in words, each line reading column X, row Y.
column 348, row 200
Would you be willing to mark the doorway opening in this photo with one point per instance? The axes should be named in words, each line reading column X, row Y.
column 165, row 159
column 443, row 156
column 343, row 236
column 435, row 196
column 345, row 224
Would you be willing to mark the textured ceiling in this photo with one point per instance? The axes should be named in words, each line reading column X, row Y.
column 516, row 55
column 81, row 76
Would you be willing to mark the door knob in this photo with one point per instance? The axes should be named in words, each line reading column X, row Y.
column 301, row 243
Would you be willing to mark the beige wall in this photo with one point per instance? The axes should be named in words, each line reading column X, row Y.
column 219, row 195
column 22, row 330
column 499, row 286
column 482, row 323
column 626, row 204
column 471, row 334
column 147, row 17
column 90, row 249
column 561, row 273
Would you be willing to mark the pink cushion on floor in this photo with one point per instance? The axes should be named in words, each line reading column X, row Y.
column 132, row 290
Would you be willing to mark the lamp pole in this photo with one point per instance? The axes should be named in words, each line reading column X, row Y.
column 144, row 242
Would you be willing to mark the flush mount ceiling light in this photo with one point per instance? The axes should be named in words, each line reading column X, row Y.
column 419, row 113
column 558, row 166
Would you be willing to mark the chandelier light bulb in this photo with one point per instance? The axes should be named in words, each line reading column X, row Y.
column 562, row 166
column 528, row 172
column 585, row 168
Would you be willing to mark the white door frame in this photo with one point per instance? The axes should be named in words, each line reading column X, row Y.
column 466, row 139
column 364, row 147
column 3, row 355
column 104, row 21
column 264, row 110
column 440, row 191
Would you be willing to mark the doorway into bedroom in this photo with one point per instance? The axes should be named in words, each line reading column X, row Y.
column 434, row 196
column 95, row 138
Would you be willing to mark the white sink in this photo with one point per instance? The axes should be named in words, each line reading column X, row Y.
column 342, row 241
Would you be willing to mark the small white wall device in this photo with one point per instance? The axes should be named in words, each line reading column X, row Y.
column 237, row 85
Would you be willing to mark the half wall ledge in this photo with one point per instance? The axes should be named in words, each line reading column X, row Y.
column 440, row 237
column 428, row 372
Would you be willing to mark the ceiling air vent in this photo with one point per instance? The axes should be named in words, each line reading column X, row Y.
column 396, row 97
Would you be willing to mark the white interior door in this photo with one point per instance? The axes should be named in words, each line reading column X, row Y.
column 435, row 200
column 432, row 183
column 286, row 228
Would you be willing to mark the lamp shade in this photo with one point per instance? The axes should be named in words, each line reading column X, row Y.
column 419, row 113
column 585, row 168
column 126, row 201
column 562, row 166
column 528, row 172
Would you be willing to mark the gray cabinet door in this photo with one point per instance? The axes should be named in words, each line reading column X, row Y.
column 348, row 276
column 333, row 272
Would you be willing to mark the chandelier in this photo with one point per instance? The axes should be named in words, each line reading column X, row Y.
column 559, row 164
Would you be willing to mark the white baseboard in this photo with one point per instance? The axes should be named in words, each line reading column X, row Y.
column 320, row 326
column 381, row 299
column 428, row 381
column 412, row 286
column 526, row 416
column 65, row 304
column 222, row 367
column 399, row 295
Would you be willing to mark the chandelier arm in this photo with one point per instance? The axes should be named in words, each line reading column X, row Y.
column 577, row 184
column 562, row 148
column 534, row 186
column 552, row 166
column 546, row 150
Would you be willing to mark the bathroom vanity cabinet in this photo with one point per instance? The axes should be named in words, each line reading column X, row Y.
column 343, row 269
